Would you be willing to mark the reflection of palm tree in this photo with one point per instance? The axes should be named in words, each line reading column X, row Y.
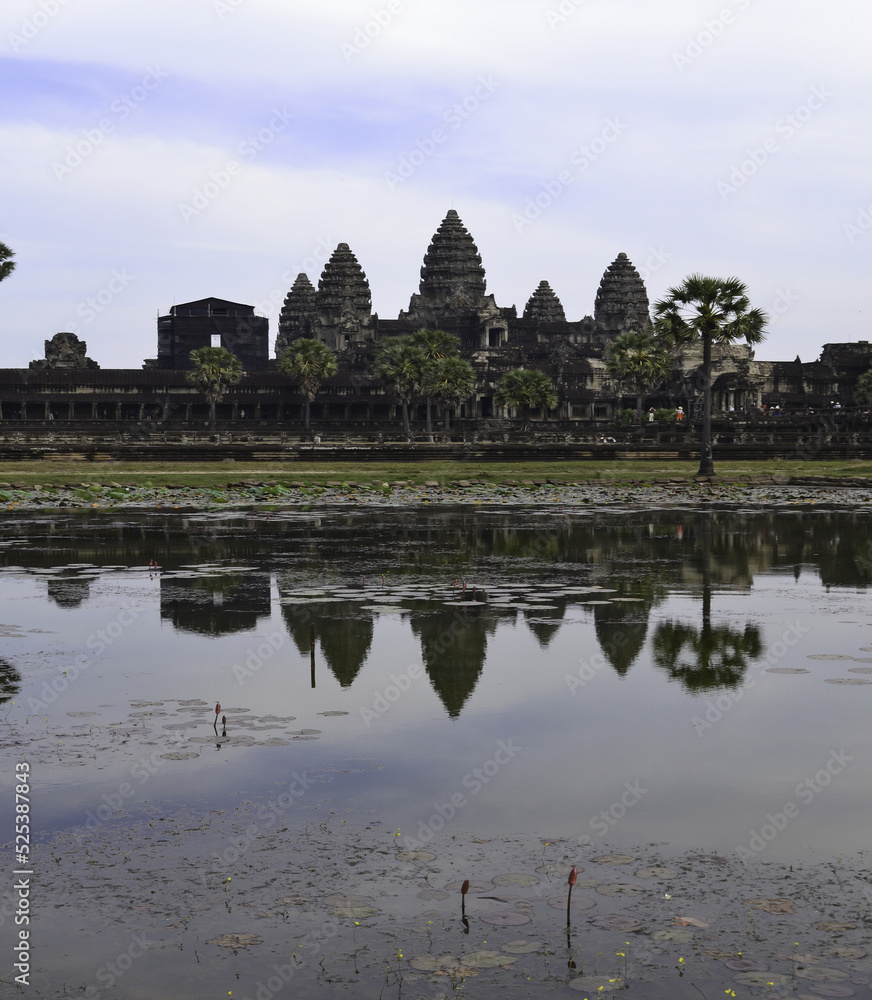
column 10, row 681
column 706, row 658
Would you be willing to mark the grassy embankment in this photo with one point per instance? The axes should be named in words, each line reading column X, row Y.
column 365, row 473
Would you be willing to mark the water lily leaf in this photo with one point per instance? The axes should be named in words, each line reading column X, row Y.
column 292, row 901
column 354, row 912
column 835, row 925
column 674, row 935
column 619, row 889
column 821, row 974
column 235, row 940
column 522, row 947
column 771, row 905
column 332, row 714
column 844, row 951
column 746, row 965
column 505, row 918
column 659, row 873
column 178, row 756
column 516, row 878
column 578, row 902
column 710, row 859
column 761, row 979
column 831, row 990
column 486, row 960
column 439, row 964
column 846, row 680
column 561, row 871
column 786, row 670
column 433, row 894
column 689, row 922
column 828, row 656
column 615, row 859
column 416, row 856
column 617, row 922
column 273, row 741
column 860, row 670
column 474, row 887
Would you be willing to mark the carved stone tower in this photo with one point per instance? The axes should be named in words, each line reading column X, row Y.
column 343, row 303
column 622, row 301
column 543, row 306
column 297, row 318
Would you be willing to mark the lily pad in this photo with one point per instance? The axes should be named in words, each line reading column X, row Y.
column 561, row 871
column 292, row 901
column 487, row 960
column 659, row 873
column 522, row 947
column 505, row 918
column 354, row 912
column 761, row 979
column 746, row 965
column 860, row 670
column 846, row 680
column 178, row 756
column 274, row 741
column 831, row 990
column 433, row 894
column 620, row 889
column 578, row 902
column 828, row 656
column 771, row 905
column 844, row 951
column 516, row 878
column 440, row 964
column 821, row 974
column 615, row 859
column 834, row 926
column 786, row 670
column 474, row 887
column 617, row 922
column 689, row 922
column 674, row 935
column 235, row 940
column 332, row 714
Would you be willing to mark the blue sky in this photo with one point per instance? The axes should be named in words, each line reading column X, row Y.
column 157, row 153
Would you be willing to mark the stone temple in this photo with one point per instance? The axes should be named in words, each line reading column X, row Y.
column 452, row 295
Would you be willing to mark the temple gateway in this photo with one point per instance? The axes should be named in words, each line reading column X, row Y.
column 66, row 387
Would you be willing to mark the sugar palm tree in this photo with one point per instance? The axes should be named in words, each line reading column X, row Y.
column 449, row 381
column 7, row 264
column 215, row 371
column 639, row 362
column 714, row 311
column 863, row 388
column 307, row 362
column 436, row 345
column 525, row 388
column 400, row 365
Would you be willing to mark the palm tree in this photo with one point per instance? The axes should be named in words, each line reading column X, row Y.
column 215, row 371
column 639, row 362
column 7, row 264
column 525, row 388
column 436, row 345
column 863, row 388
column 307, row 362
column 449, row 381
column 400, row 365
column 713, row 310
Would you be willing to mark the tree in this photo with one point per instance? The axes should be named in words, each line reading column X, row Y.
column 436, row 345
column 307, row 362
column 525, row 388
column 400, row 365
column 7, row 264
column 638, row 362
column 711, row 310
column 215, row 371
column 863, row 388
column 449, row 381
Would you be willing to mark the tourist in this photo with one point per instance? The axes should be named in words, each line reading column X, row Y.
column 679, row 414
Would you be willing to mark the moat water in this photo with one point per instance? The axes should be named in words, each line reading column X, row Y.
column 502, row 689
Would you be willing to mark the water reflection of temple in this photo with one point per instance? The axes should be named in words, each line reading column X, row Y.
column 216, row 604
column 10, row 681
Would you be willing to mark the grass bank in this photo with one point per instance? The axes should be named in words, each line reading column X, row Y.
column 207, row 474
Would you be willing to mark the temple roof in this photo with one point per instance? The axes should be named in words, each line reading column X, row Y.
column 452, row 267
column 543, row 306
column 621, row 301
column 343, row 286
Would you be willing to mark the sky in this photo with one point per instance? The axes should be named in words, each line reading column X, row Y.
column 155, row 153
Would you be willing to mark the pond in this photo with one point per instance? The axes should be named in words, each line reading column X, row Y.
column 266, row 748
